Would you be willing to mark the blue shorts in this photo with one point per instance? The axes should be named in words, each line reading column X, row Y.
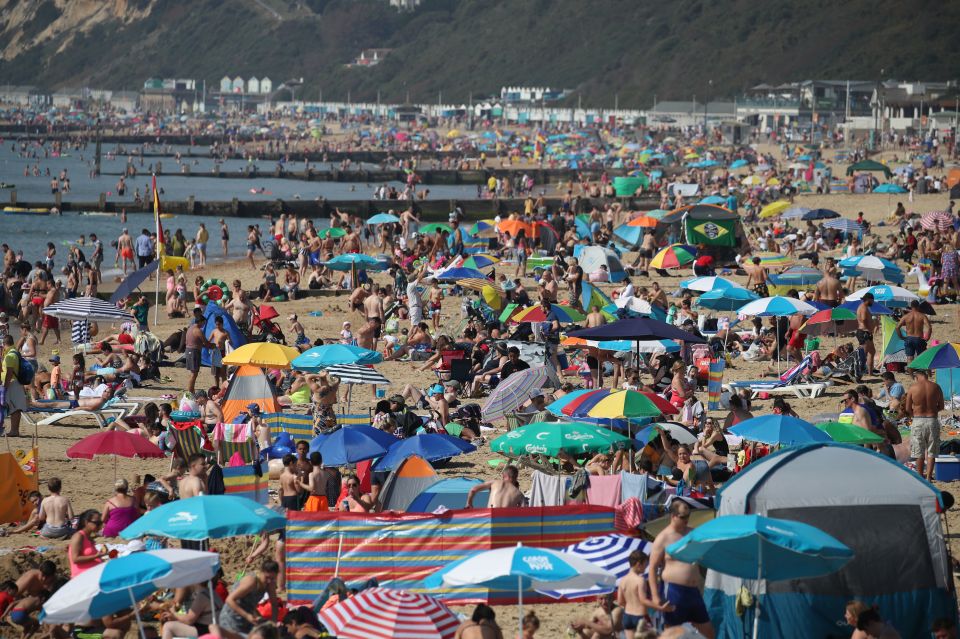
column 687, row 603
column 913, row 346
column 632, row 622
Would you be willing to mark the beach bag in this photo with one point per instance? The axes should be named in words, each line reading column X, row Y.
column 26, row 370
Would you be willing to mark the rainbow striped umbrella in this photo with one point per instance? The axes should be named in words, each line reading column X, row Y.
column 480, row 260
column 831, row 320
column 565, row 314
column 674, row 256
column 939, row 356
column 622, row 404
column 583, row 405
column 773, row 259
column 484, row 228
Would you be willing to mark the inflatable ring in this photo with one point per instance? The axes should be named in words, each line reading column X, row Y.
column 214, row 290
column 184, row 416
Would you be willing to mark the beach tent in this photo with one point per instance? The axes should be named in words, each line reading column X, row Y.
column 449, row 493
column 591, row 258
column 887, row 514
column 249, row 385
column 408, row 480
column 210, row 313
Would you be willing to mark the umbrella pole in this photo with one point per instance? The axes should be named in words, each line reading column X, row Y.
column 519, row 606
column 213, row 602
column 136, row 612
column 756, row 602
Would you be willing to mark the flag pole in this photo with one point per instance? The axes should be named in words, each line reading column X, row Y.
column 161, row 250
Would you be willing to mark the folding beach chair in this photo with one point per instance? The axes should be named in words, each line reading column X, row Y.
column 231, row 439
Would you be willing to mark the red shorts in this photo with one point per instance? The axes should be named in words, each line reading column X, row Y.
column 797, row 340
column 50, row 322
column 126, row 253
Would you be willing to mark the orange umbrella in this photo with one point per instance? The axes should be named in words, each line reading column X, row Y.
column 644, row 221
column 513, row 227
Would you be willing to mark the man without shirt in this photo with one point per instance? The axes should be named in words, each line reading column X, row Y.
column 56, row 512
column 504, row 492
column 923, row 402
column 917, row 327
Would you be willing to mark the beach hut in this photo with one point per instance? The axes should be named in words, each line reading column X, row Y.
column 887, row 514
column 249, row 385
column 406, row 482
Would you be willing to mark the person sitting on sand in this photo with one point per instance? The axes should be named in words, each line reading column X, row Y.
column 119, row 511
column 56, row 512
column 604, row 623
column 481, row 625
column 33, row 521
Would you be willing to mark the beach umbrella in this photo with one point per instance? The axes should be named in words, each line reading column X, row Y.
column 120, row 583
column 513, row 391
column 484, row 228
column 637, row 328
column 557, row 405
column 610, row 552
column 756, row 547
column 384, row 613
column 674, row 256
column 774, row 209
column 429, row 446
column 206, row 517
column 831, row 320
column 263, row 355
column 780, row 430
column 480, row 260
column 776, row 306
column 383, row 218
column 937, row 357
column 849, row 433
column 644, row 221
column 565, row 314
column 876, row 308
column 799, row 276
column 752, row 180
column 352, row 261
column 524, row 568
column 624, row 403
column 713, row 199
column 584, row 404
column 334, row 232
column 479, row 284
column 891, row 296
column 90, row 309
column 429, row 229
column 459, row 273
column 674, row 430
column 820, row 214
column 738, row 164
column 729, row 299
column 550, row 438
column 889, row 187
column 794, row 213
column 936, row 221
column 708, row 283
column 871, row 268
column 591, row 295
column 117, row 443
column 491, row 298
column 352, row 444
column 320, row 357
column 843, row 225
column 628, row 235
column 358, row 374
column 133, row 281
column 773, row 260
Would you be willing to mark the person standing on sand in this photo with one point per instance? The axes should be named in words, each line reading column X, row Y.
column 316, row 486
column 195, row 341
column 124, row 251
column 220, row 337
column 633, row 596
column 13, row 399
column 866, row 327
column 504, row 492
column 290, row 483
column 675, row 585
column 918, row 331
column 924, row 401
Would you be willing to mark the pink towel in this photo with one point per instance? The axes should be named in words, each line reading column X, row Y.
column 604, row 490
column 233, row 433
column 628, row 516
column 236, row 460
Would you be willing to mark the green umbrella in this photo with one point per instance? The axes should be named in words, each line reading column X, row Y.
column 849, row 433
column 335, row 231
column 549, row 438
column 430, row 229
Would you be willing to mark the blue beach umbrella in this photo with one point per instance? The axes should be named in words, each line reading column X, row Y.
column 776, row 306
column 708, row 283
column 889, row 188
column 844, row 225
column 352, row 444
column 119, row 583
column 383, row 218
column 459, row 273
column 713, row 199
column 779, row 430
column 206, row 517
column 432, row 447
column 875, row 309
column 820, row 214
column 349, row 261
column 320, row 357
column 629, row 235
column 891, row 296
column 729, row 299
column 736, row 164
column 556, row 406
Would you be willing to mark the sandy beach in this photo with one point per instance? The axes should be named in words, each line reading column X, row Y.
column 88, row 484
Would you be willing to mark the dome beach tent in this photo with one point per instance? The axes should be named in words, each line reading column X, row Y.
column 886, row 514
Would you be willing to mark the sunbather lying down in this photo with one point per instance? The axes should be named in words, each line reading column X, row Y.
column 91, row 397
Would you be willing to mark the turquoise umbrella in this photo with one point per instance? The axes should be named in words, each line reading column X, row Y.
column 206, row 517
column 320, row 357
column 349, row 261
column 383, row 218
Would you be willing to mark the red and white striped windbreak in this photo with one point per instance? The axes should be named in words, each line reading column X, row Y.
column 936, row 221
column 390, row 614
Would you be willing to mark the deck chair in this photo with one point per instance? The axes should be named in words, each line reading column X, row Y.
column 354, row 419
column 795, row 381
column 445, row 367
column 188, row 439
column 516, row 420
column 54, row 415
column 296, row 425
column 852, row 367
column 231, row 439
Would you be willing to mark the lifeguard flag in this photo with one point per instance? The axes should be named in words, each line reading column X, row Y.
column 156, row 216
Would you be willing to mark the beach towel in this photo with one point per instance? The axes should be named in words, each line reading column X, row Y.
column 604, row 490
column 628, row 516
column 633, row 485
column 548, row 490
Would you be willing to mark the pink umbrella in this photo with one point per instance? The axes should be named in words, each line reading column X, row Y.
column 114, row 442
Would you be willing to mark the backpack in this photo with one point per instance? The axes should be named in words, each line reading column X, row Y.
column 26, row 370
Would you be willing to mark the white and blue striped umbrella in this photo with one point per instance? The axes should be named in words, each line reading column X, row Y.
column 794, row 213
column 358, row 374
column 777, row 307
column 610, row 552
column 708, row 283
column 872, row 268
column 92, row 309
column 844, row 225
column 892, row 296
column 119, row 583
